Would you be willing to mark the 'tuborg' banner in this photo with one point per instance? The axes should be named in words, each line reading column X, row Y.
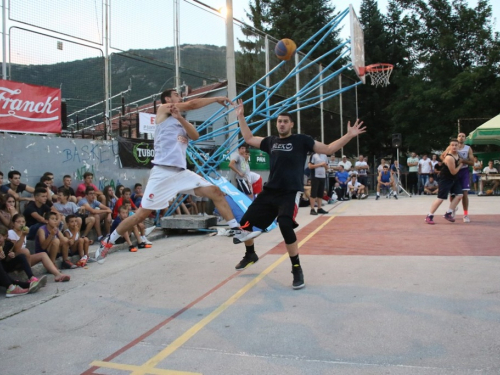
column 28, row 108
column 136, row 153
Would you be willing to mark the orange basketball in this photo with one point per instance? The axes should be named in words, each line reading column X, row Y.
column 489, row 192
column 285, row 49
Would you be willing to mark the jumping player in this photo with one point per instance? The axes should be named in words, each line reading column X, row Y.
column 280, row 197
column 448, row 183
column 169, row 175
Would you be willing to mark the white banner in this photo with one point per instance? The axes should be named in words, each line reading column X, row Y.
column 147, row 123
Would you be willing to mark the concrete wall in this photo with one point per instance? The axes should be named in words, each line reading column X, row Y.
column 34, row 155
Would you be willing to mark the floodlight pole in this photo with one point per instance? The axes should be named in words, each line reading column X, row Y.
column 230, row 61
column 177, row 45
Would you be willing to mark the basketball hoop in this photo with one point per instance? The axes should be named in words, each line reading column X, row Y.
column 379, row 73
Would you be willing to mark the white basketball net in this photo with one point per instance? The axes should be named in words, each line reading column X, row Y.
column 380, row 76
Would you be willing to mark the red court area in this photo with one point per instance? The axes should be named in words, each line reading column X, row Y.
column 401, row 235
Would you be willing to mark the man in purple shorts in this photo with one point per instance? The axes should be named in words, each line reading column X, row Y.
column 463, row 176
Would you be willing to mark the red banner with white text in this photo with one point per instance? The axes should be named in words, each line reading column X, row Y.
column 28, row 108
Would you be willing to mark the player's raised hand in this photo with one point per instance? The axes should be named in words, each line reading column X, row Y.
column 222, row 100
column 174, row 111
column 239, row 109
column 356, row 129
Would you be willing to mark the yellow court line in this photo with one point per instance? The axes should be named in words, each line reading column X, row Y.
column 141, row 369
column 202, row 323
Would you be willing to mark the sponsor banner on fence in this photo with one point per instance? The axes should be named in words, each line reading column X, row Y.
column 28, row 108
column 136, row 153
column 147, row 123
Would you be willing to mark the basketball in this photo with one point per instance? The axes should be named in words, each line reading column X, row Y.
column 285, row 49
column 489, row 192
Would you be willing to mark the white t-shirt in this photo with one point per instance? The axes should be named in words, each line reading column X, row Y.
column 12, row 235
column 254, row 177
column 425, row 166
column 356, row 185
column 318, row 159
column 489, row 170
column 413, row 168
column 476, row 165
column 381, row 167
column 347, row 165
column 362, row 172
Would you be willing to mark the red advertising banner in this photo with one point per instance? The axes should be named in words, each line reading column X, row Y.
column 28, row 108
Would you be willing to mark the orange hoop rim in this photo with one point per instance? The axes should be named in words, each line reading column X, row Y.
column 379, row 67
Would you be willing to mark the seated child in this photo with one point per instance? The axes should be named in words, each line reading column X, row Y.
column 77, row 243
column 50, row 240
column 123, row 213
column 18, row 237
column 10, row 262
column 142, row 228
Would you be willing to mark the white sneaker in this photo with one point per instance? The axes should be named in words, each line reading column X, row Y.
column 466, row 219
column 480, row 193
column 241, row 235
column 147, row 242
column 148, row 231
column 363, row 196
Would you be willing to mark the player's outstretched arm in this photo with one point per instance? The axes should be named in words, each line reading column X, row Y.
column 352, row 131
column 202, row 102
column 250, row 139
column 188, row 127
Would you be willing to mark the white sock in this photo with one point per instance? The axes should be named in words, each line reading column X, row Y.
column 449, row 211
column 378, row 194
column 143, row 239
column 233, row 223
column 114, row 236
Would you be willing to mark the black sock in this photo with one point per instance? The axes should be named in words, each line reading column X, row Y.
column 295, row 260
column 249, row 249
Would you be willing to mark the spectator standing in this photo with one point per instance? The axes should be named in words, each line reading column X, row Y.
column 424, row 171
column 240, row 167
column 412, row 163
column 381, row 166
column 434, row 162
column 317, row 164
column 346, row 164
column 362, row 168
column 476, row 173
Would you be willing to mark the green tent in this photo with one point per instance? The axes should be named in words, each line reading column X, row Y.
column 486, row 134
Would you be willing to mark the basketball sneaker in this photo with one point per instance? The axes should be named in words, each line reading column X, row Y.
column 448, row 216
column 247, row 261
column 298, row 277
column 242, row 235
column 102, row 251
column 466, row 219
column 429, row 219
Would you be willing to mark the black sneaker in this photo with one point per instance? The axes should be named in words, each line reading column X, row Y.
column 298, row 277
column 321, row 211
column 313, row 211
column 247, row 261
column 378, row 197
column 67, row 265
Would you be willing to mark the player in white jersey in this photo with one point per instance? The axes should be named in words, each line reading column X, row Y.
column 169, row 175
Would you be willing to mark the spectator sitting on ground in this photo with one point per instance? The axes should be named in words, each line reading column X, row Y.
column 49, row 239
column 47, row 182
column 35, row 211
column 137, row 195
column 67, row 185
column 126, row 194
column 191, row 205
column 356, row 189
column 96, row 209
column 10, row 261
column 431, row 187
column 109, row 195
column 119, row 191
column 122, row 215
column 490, row 169
column 87, row 181
column 341, row 177
column 66, row 208
column 385, row 179
column 142, row 240
column 77, row 245
column 7, row 210
column 18, row 236
column 18, row 188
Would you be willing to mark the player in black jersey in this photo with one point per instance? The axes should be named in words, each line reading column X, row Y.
column 279, row 199
column 448, row 183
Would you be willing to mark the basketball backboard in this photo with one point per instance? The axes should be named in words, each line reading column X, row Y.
column 357, row 45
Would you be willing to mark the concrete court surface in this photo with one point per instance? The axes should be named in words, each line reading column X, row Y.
column 385, row 294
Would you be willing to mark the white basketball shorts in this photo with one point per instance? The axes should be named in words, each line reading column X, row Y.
column 166, row 182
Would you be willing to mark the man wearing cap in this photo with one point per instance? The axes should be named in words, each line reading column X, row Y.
column 346, row 164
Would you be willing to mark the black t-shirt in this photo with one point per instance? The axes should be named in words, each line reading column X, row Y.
column 287, row 159
column 71, row 191
column 31, row 208
column 20, row 188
